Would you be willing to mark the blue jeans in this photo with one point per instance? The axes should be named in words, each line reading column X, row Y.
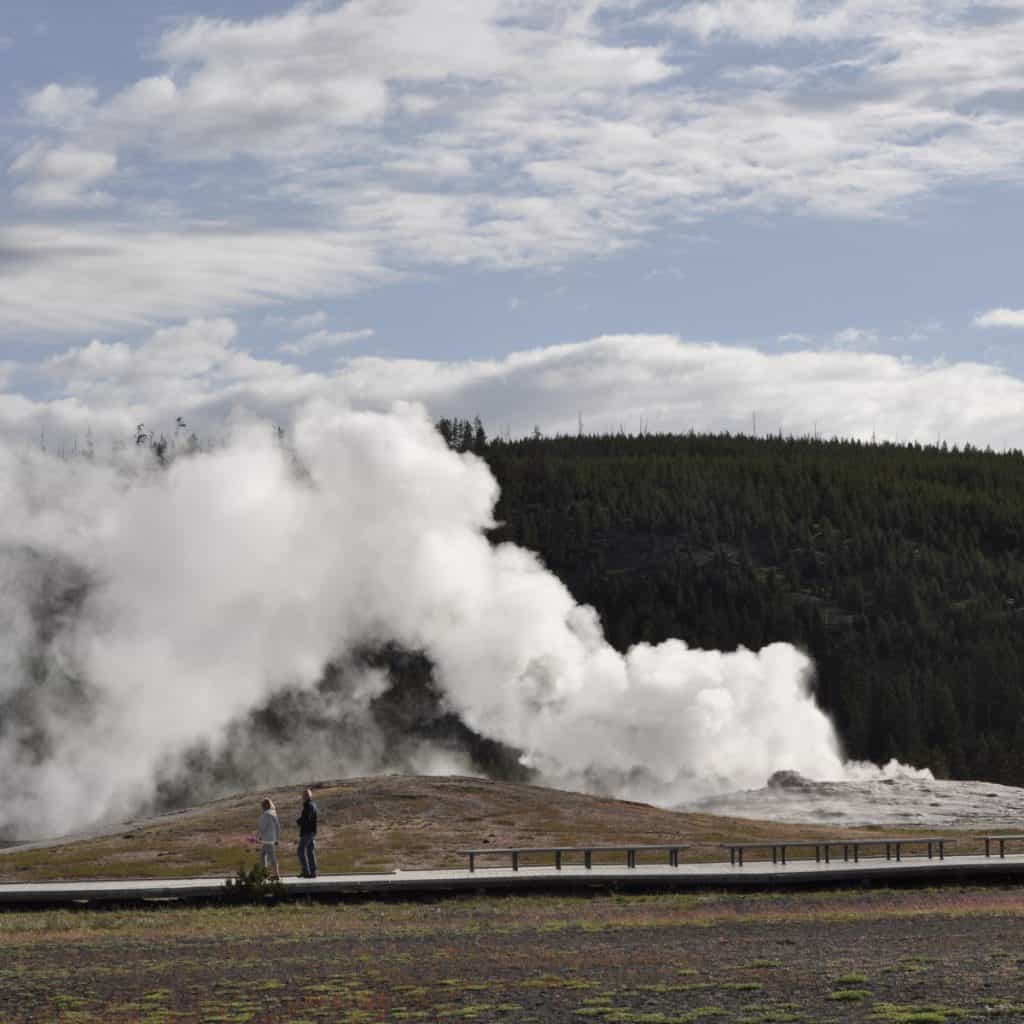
column 307, row 855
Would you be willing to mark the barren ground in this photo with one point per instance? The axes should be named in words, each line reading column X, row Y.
column 892, row 956
column 382, row 823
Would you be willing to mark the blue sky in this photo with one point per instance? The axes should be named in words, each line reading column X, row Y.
column 640, row 212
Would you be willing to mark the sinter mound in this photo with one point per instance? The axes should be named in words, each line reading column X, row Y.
column 379, row 824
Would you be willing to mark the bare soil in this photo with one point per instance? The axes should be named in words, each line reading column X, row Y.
column 383, row 823
column 899, row 956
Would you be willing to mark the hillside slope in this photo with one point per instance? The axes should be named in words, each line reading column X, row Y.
column 379, row 824
column 898, row 568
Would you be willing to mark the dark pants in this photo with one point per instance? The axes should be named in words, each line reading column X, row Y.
column 307, row 856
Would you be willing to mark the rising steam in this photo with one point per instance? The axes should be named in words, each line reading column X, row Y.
column 165, row 626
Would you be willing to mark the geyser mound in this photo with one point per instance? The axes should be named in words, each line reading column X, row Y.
column 892, row 795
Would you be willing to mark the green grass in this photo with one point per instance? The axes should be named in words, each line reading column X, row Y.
column 892, row 1013
column 851, row 979
column 849, row 995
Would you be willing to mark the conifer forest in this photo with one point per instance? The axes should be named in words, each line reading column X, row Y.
column 898, row 568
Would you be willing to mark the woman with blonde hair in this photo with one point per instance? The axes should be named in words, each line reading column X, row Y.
column 268, row 831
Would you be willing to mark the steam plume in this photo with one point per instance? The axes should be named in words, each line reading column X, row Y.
column 149, row 614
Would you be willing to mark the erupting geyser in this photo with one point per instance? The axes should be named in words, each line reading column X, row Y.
column 147, row 611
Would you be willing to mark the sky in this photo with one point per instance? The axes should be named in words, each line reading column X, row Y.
column 758, row 215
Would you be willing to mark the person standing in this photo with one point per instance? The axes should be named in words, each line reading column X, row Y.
column 307, row 822
column 268, row 831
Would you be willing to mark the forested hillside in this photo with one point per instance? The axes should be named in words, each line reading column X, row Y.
column 898, row 568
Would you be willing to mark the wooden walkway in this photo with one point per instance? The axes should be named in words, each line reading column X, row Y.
column 757, row 874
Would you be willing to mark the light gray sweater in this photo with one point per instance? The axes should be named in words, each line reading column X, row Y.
column 268, row 828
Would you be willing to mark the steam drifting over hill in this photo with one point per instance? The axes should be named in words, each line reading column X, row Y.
column 168, row 628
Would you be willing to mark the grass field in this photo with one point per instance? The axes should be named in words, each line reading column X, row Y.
column 903, row 956
column 913, row 956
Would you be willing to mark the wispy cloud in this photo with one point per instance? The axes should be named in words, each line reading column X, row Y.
column 98, row 276
column 522, row 135
column 304, row 322
column 855, row 337
column 318, row 340
column 62, row 175
column 1000, row 318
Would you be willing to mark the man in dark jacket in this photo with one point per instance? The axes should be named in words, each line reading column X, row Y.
column 307, row 821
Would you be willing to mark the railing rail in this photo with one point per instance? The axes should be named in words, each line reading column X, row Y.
column 823, row 847
column 630, row 850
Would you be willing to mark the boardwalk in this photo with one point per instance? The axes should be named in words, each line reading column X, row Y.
column 648, row 876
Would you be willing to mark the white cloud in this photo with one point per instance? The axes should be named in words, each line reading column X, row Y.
column 108, row 275
column 855, row 337
column 507, row 133
column 199, row 371
column 60, row 105
column 286, row 82
column 173, row 354
column 317, row 340
column 1000, row 318
column 795, row 338
column 62, row 175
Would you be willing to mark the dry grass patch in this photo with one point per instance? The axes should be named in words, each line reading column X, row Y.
column 382, row 823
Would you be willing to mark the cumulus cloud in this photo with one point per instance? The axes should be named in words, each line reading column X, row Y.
column 62, row 105
column 1000, row 318
column 658, row 382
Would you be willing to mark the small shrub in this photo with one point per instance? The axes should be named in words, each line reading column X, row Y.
column 253, row 885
